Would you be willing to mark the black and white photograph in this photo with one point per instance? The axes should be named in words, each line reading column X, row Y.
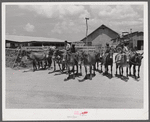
column 75, row 61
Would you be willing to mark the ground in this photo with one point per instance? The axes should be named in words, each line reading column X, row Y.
column 47, row 89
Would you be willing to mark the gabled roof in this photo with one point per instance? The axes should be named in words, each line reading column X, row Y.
column 101, row 27
column 16, row 38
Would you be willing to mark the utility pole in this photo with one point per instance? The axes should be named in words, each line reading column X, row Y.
column 86, row 30
column 131, row 42
column 130, row 30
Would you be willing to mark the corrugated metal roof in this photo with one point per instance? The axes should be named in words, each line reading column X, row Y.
column 16, row 38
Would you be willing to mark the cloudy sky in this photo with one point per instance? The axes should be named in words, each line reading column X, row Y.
column 67, row 22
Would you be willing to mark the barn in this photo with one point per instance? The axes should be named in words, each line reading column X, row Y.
column 14, row 41
column 100, row 36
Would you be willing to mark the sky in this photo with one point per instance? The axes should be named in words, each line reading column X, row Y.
column 67, row 21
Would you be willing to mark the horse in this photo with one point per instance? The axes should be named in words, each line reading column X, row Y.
column 71, row 60
column 122, row 62
column 108, row 60
column 36, row 57
column 135, row 60
column 89, row 59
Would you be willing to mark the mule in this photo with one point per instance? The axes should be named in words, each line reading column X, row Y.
column 58, row 58
column 71, row 60
column 100, row 59
column 122, row 62
column 36, row 57
column 135, row 60
column 79, row 60
column 89, row 59
column 50, row 56
column 108, row 61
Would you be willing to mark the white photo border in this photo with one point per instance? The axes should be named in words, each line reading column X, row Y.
column 68, row 114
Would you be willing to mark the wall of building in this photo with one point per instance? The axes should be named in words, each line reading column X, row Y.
column 101, row 37
column 135, row 39
column 115, row 42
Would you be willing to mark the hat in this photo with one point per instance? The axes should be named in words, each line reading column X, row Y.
column 66, row 41
column 107, row 44
column 125, row 44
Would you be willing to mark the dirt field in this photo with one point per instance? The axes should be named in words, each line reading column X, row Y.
column 47, row 89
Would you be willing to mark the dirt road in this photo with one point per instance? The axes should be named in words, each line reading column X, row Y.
column 43, row 89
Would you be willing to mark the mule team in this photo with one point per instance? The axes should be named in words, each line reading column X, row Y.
column 67, row 59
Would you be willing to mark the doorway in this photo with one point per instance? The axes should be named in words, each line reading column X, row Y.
column 140, row 44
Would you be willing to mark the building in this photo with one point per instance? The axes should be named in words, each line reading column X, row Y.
column 100, row 36
column 13, row 41
column 133, row 40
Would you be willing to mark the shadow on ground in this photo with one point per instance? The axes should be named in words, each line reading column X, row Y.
column 108, row 75
column 124, row 78
column 87, row 77
column 41, row 69
column 54, row 71
column 71, row 76
column 135, row 78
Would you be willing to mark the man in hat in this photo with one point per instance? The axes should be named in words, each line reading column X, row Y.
column 73, row 50
column 124, row 51
column 67, row 46
column 107, row 50
column 124, row 48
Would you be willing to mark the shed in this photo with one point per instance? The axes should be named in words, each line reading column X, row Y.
column 13, row 41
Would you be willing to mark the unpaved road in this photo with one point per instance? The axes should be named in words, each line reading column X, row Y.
column 42, row 89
